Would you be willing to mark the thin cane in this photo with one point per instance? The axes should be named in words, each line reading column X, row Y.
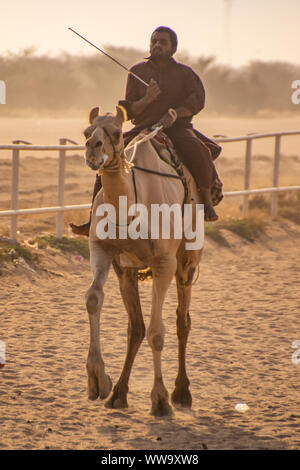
column 110, row 57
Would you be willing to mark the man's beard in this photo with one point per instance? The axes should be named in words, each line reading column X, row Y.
column 162, row 58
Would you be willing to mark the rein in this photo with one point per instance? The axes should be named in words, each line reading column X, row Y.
column 168, row 175
column 147, row 170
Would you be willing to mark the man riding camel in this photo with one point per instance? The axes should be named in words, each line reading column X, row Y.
column 176, row 86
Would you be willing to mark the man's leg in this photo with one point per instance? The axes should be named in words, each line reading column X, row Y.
column 197, row 158
column 215, row 148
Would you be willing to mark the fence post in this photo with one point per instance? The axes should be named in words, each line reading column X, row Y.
column 14, row 193
column 15, row 187
column 247, row 175
column 61, row 186
column 61, row 189
column 274, row 197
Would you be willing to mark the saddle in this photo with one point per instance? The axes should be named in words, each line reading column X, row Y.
column 166, row 151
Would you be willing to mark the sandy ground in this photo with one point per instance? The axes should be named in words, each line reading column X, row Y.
column 245, row 317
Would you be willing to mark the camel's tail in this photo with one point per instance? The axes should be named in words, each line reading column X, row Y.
column 145, row 274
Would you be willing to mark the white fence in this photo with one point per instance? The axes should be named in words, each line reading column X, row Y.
column 62, row 148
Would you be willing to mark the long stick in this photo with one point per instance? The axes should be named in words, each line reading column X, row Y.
column 115, row 60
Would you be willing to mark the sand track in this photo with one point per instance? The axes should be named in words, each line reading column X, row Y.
column 245, row 316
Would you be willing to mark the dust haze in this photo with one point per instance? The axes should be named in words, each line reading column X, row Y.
column 68, row 85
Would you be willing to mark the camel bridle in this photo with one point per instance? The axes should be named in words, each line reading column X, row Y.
column 115, row 167
column 168, row 175
column 111, row 141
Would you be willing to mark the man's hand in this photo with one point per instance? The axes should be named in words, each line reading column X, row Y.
column 152, row 91
column 168, row 119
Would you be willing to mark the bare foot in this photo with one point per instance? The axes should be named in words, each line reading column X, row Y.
column 210, row 214
column 83, row 229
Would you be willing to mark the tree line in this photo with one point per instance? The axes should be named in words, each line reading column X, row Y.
column 71, row 84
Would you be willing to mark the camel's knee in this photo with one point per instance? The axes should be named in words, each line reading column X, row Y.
column 156, row 338
column 183, row 323
column 137, row 333
column 185, row 277
column 95, row 296
column 94, row 299
column 158, row 342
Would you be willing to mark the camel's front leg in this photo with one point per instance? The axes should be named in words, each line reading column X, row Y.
column 163, row 274
column 99, row 383
column 136, row 332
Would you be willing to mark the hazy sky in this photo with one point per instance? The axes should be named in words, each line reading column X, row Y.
column 235, row 31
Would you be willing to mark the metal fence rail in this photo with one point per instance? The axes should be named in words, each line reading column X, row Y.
column 62, row 148
column 276, row 168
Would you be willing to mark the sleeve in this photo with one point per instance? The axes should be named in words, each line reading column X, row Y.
column 132, row 94
column 195, row 92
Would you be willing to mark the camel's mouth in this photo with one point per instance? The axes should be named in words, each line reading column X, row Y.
column 93, row 166
column 97, row 165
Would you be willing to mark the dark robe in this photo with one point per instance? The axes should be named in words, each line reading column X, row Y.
column 180, row 86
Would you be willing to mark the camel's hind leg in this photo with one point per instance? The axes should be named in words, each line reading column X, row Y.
column 163, row 274
column 187, row 263
column 99, row 383
column 128, row 281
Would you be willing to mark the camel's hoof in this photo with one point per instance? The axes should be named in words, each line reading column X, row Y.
column 161, row 408
column 106, row 389
column 93, row 394
column 116, row 403
column 95, row 390
column 118, row 399
column 182, row 397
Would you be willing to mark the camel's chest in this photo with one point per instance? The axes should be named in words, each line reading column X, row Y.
column 130, row 260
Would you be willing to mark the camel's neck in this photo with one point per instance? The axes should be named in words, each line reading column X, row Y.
column 117, row 182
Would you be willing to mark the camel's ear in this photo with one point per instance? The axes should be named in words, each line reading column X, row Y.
column 93, row 114
column 121, row 114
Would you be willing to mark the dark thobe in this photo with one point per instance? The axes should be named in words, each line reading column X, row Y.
column 180, row 87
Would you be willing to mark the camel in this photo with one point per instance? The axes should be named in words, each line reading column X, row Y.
column 166, row 258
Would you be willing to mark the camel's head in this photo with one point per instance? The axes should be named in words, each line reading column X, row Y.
column 104, row 139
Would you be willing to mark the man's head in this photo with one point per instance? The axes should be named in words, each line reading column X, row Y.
column 163, row 43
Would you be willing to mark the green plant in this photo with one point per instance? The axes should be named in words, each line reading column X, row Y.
column 9, row 252
column 245, row 228
column 71, row 245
